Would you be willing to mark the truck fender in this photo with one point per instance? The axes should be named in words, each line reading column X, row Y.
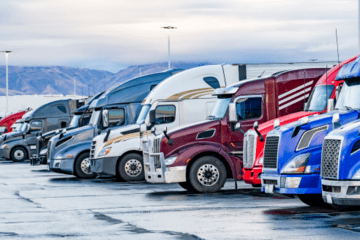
column 18, row 143
column 74, row 151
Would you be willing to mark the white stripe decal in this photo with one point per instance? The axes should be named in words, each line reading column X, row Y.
column 295, row 101
column 302, row 92
column 295, row 89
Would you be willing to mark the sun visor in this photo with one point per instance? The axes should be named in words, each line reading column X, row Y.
column 349, row 71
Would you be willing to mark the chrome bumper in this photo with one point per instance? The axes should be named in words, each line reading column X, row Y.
column 341, row 192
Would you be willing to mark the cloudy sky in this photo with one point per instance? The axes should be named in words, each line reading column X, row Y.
column 113, row 34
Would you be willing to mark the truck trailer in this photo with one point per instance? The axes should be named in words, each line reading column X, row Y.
column 69, row 151
column 325, row 88
column 19, row 146
column 292, row 153
column 183, row 99
column 200, row 157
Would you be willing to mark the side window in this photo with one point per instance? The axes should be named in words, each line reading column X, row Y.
column 62, row 108
column 249, row 108
column 212, row 82
column 85, row 119
column 35, row 125
column 116, row 117
column 165, row 114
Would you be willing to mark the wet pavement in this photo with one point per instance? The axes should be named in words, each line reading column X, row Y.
column 39, row 204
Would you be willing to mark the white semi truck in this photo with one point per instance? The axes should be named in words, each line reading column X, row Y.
column 182, row 99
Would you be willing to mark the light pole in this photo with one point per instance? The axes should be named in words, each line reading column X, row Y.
column 7, row 80
column 74, row 84
column 359, row 26
column 140, row 67
column 169, row 28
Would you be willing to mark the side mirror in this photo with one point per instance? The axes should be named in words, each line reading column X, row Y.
column 337, row 92
column 330, row 105
column 238, row 128
column 168, row 138
column 233, row 117
column 336, row 121
column 306, row 106
column 28, row 129
column 105, row 118
column 152, row 117
column 256, row 126
column 153, row 131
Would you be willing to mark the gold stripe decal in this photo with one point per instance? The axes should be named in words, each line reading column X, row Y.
column 181, row 94
column 125, row 138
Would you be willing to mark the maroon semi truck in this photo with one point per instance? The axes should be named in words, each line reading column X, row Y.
column 200, row 157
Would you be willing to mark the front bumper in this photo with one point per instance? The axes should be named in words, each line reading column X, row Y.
column 5, row 153
column 342, row 193
column 253, row 175
column 62, row 165
column 105, row 165
column 291, row 184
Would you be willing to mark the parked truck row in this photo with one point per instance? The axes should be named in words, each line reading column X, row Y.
column 284, row 132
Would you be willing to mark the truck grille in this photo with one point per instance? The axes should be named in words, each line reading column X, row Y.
column 156, row 146
column 249, row 150
column 330, row 158
column 92, row 149
column 271, row 152
column 49, row 151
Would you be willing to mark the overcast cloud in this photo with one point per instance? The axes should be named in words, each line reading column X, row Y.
column 112, row 34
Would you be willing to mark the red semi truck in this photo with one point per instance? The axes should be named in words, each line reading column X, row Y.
column 8, row 121
column 325, row 88
column 201, row 156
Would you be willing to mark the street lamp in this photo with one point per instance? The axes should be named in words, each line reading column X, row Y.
column 74, row 84
column 169, row 28
column 140, row 67
column 7, row 80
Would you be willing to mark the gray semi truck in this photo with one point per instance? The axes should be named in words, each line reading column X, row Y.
column 81, row 117
column 69, row 151
column 19, row 145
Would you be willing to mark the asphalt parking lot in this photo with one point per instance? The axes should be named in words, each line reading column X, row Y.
column 39, row 204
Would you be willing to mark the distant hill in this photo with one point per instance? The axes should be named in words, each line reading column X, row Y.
column 60, row 80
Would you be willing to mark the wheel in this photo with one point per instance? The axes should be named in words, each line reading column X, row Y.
column 313, row 200
column 131, row 168
column 187, row 186
column 207, row 174
column 82, row 166
column 18, row 154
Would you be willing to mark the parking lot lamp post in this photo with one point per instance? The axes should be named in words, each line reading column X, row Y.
column 7, row 80
column 169, row 28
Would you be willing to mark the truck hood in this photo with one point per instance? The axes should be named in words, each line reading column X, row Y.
column 291, row 134
column 190, row 134
column 76, row 131
column 119, row 131
column 10, row 137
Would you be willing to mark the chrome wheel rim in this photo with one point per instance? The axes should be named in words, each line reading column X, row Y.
column 19, row 154
column 133, row 168
column 85, row 166
column 208, row 175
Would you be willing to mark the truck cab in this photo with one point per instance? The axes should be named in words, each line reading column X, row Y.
column 292, row 153
column 180, row 100
column 202, row 156
column 7, row 122
column 69, row 151
column 21, row 145
column 324, row 89
column 81, row 117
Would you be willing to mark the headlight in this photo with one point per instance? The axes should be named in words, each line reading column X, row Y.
column 297, row 164
column 104, row 152
column 3, row 146
column 261, row 160
column 356, row 175
column 170, row 160
column 43, row 151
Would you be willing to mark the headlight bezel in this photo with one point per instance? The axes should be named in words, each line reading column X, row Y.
column 170, row 160
column 104, row 151
column 300, row 165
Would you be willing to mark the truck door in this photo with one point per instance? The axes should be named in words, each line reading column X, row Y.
column 249, row 109
column 36, row 126
column 166, row 115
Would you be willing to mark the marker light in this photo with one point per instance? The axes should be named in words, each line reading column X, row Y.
column 276, row 123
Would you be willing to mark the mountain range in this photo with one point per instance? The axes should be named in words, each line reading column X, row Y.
column 60, row 80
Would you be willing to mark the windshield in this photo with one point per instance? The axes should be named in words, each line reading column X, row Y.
column 349, row 96
column 16, row 126
column 219, row 109
column 143, row 113
column 318, row 98
column 94, row 118
column 74, row 121
column 23, row 127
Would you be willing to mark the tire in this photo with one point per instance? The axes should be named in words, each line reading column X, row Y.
column 18, row 154
column 131, row 168
column 313, row 200
column 81, row 163
column 186, row 186
column 207, row 174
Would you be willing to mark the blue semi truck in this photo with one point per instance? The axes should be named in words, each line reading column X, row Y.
column 292, row 153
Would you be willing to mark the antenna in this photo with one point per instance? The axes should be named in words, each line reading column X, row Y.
column 337, row 45
column 326, row 97
column 261, row 74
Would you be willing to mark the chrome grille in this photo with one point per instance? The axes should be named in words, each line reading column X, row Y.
column 271, row 151
column 49, row 151
column 156, row 146
column 330, row 158
column 249, row 149
column 92, row 149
